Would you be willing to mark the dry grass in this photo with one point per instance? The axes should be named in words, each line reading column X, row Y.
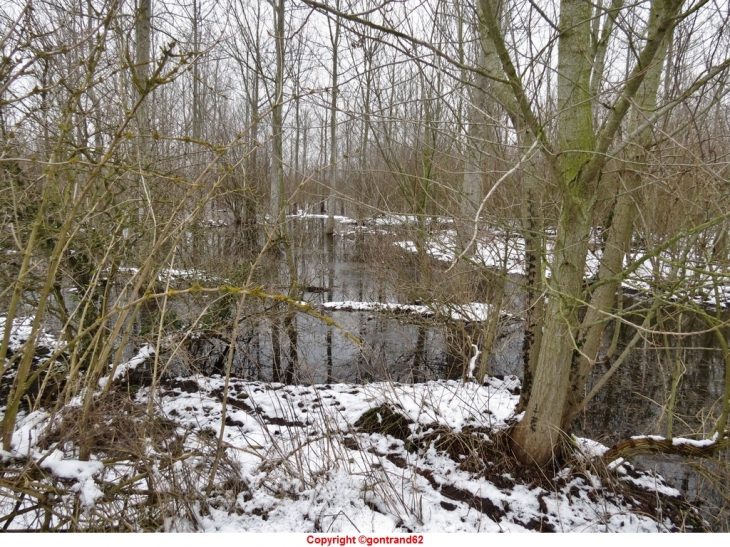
column 151, row 481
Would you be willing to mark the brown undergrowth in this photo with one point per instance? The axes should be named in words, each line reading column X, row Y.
column 151, row 478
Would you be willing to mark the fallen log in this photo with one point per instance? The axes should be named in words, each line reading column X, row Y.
column 653, row 444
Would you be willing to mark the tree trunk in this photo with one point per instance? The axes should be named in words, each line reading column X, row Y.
column 578, row 169
column 277, row 122
column 532, row 226
column 196, row 72
column 475, row 144
column 141, row 73
column 332, row 197
column 619, row 239
column 534, row 305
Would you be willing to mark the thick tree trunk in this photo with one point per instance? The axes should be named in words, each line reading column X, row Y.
column 473, row 166
column 477, row 141
column 579, row 168
column 197, row 118
column 254, row 178
column 536, row 436
column 618, row 243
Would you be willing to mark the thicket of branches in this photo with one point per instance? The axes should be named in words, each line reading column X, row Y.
column 130, row 129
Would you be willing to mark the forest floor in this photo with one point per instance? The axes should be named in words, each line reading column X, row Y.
column 375, row 458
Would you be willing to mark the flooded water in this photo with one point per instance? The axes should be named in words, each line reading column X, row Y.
column 275, row 344
column 365, row 265
column 633, row 402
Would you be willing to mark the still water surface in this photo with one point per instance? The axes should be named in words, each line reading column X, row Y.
column 360, row 267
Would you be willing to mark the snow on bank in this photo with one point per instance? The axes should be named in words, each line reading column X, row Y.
column 143, row 354
column 503, row 251
column 304, row 461
column 176, row 275
column 473, row 312
column 339, row 218
column 21, row 330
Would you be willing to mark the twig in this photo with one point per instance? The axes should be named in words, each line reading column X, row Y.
column 523, row 159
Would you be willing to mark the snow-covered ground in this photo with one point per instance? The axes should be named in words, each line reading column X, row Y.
column 376, row 458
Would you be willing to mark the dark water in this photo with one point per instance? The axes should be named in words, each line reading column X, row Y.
column 364, row 265
column 275, row 344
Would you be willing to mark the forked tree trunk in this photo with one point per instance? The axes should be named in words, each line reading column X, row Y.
column 576, row 162
column 618, row 243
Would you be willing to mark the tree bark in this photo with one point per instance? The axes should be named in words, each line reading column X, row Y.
column 332, row 197
column 277, row 122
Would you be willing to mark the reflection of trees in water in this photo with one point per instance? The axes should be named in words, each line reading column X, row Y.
column 635, row 400
column 392, row 350
column 277, row 343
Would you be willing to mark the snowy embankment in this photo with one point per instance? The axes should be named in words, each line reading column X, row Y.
column 381, row 457
column 646, row 272
column 21, row 331
column 473, row 312
column 504, row 250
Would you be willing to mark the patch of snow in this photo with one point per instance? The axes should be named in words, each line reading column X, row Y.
column 473, row 361
column 651, row 437
column 27, row 432
column 616, row 465
column 339, row 218
column 21, row 330
column 71, row 469
column 474, row 312
column 82, row 472
column 377, row 306
column 651, row 484
column 143, row 354
column 590, row 448
column 677, row 441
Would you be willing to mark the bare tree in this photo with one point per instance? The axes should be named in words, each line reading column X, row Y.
column 598, row 116
column 277, row 195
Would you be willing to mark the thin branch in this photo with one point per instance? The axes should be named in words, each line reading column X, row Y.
column 523, row 159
